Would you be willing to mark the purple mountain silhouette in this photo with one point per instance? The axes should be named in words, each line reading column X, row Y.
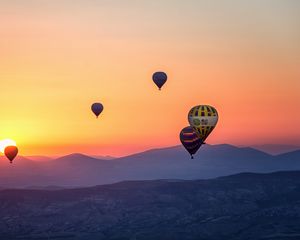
column 166, row 163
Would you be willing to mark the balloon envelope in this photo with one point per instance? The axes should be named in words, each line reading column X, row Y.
column 190, row 140
column 97, row 108
column 11, row 152
column 203, row 119
column 159, row 78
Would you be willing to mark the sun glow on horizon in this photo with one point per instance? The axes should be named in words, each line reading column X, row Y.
column 5, row 143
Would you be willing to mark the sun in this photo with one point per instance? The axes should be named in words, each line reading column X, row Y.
column 6, row 142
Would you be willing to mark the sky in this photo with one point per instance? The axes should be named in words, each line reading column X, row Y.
column 57, row 57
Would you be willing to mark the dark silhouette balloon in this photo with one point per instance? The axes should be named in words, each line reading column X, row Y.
column 11, row 152
column 190, row 140
column 159, row 78
column 97, row 108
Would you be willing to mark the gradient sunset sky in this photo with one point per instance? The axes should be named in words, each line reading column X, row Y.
column 57, row 57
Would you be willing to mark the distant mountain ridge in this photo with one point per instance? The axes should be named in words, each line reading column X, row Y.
column 276, row 149
column 166, row 163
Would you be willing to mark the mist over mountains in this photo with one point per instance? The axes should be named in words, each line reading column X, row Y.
column 167, row 163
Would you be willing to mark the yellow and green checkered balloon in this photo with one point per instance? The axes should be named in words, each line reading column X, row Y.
column 203, row 119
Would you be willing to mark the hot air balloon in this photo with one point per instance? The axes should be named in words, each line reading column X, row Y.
column 203, row 119
column 97, row 108
column 159, row 78
column 190, row 140
column 11, row 152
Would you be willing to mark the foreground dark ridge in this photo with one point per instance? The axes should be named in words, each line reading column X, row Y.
column 242, row 206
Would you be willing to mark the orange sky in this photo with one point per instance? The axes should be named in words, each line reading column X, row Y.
column 58, row 57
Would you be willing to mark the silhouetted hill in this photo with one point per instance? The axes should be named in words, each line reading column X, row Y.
column 294, row 155
column 276, row 149
column 76, row 158
column 243, row 206
column 167, row 163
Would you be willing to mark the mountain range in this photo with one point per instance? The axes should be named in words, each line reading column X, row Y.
column 245, row 206
column 78, row 170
